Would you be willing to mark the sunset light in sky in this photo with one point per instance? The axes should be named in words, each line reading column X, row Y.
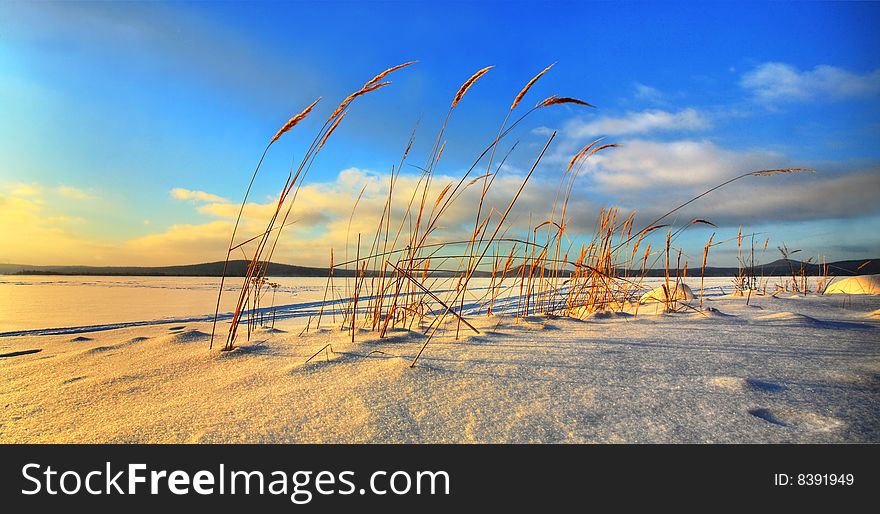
column 129, row 131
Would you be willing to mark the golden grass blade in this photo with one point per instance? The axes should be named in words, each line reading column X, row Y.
column 293, row 121
column 581, row 153
column 468, row 83
column 442, row 194
column 587, row 152
column 377, row 78
column 529, row 85
column 703, row 267
column 329, row 131
column 558, row 100
column 475, row 179
column 653, row 228
column 767, row 173
column 549, row 222
column 364, row 90
column 408, row 276
column 603, row 147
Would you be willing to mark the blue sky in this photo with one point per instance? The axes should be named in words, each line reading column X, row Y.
column 109, row 108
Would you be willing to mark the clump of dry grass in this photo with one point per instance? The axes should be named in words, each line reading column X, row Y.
column 824, row 279
column 292, row 122
column 395, row 277
column 265, row 246
column 797, row 275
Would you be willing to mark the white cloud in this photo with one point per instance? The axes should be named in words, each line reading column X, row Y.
column 182, row 243
column 179, row 193
column 38, row 230
column 643, row 122
column 542, row 131
column 796, row 197
column 652, row 177
column 647, row 93
column 73, row 193
column 774, row 82
column 29, row 190
column 645, row 165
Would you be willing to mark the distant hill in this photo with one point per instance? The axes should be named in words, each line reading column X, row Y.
column 783, row 267
column 238, row 268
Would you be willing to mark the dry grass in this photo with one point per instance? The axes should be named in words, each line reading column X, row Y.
column 265, row 246
column 545, row 270
column 292, row 122
column 468, row 83
column 528, row 86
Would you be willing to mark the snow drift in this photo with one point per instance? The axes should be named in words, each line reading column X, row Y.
column 680, row 293
column 864, row 284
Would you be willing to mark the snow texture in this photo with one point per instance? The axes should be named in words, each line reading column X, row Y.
column 758, row 369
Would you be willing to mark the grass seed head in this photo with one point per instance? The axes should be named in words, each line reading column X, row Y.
column 528, row 86
column 293, row 121
column 467, row 85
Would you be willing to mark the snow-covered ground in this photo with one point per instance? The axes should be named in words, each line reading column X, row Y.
column 88, row 359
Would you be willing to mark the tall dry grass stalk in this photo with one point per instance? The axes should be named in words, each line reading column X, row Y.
column 292, row 122
column 703, row 266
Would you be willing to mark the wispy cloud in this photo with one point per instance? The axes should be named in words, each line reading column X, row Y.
column 29, row 190
column 179, row 38
column 179, row 193
column 182, row 243
column 542, row 131
column 73, row 193
column 647, row 93
column 776, row 82
column 37, row 229
column 643, row 122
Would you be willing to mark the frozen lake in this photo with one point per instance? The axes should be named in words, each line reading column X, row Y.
column 123, row 359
